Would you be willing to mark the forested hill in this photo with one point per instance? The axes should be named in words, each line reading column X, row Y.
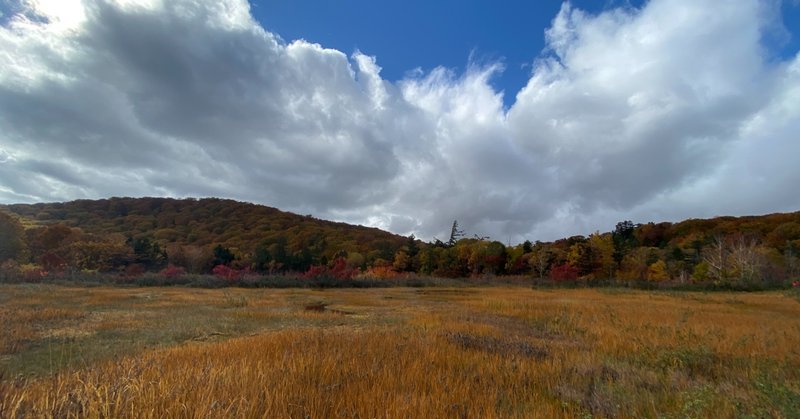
column 183, row 225
column 134, row 235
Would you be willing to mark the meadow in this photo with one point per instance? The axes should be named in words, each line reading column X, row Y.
column 396, row 352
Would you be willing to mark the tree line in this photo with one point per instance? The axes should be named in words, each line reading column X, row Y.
column 129, row 236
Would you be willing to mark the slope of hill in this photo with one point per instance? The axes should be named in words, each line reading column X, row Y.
column 184, row 224
column 147, row 234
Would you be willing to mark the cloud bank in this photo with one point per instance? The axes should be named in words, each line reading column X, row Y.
column 670, row 111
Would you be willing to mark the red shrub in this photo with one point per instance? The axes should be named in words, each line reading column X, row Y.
column 172, row 271
column 227, row 272
column 338, row 269
column 565, row 272
column 315, row 271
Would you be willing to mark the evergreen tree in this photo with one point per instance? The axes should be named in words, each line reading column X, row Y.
column 148, row 253
column 223, row 256
column 455, row 234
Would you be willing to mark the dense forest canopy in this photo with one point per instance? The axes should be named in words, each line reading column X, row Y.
column 134, row 235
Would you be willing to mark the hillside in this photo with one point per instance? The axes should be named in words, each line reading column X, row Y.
column 183, row 225
column 134, row 235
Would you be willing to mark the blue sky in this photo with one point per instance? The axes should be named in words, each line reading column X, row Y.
column 655, row 111
column 405, row 35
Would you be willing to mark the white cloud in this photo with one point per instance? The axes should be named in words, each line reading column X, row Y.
column 670, row 111
column 631, row 105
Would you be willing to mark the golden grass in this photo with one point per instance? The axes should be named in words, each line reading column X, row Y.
column 20, row 325
column 488, row 352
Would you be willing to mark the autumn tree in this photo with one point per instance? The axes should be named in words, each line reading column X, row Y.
column 745, row 260
column 652, row 235
column 782, row 236
column 581, row 257
column 195, row 259
column 540, row 258
column 624, row 240
column 406, row 259
column 637, row 262
column 278, row 253
column 402, row 261
column 428, row 259
column 12, row 238
column 90, row 253
column 679, row 262
column 517, row 259
column 452, row 261
column 602, row 246
column 657, row 271
column 495, row 258
column 716, row 257
column 50, row 238
column 356, row 260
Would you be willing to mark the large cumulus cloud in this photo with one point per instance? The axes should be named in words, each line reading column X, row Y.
column 676, row 109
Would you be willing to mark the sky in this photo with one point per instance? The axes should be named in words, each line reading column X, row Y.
column 526, row 121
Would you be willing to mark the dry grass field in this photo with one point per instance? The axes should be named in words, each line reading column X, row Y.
column 398, row 353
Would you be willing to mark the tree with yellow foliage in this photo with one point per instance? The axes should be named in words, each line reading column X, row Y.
column 657, row 271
